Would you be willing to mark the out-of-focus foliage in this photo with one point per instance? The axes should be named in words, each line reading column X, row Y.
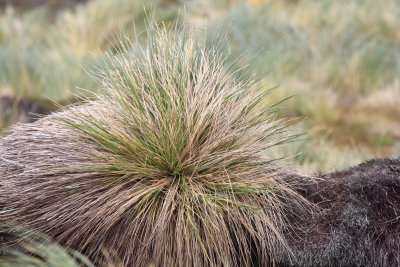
column 46, row 57
column 340, row 60
column 20, row 247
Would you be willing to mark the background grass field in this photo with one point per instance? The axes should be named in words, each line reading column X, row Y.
column 340, row 60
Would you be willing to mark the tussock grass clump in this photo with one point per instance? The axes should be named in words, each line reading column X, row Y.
column 166, row 167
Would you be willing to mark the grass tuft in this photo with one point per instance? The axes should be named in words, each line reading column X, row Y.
column 167, row 166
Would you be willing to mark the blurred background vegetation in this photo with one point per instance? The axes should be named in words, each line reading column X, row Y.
column 340, row 60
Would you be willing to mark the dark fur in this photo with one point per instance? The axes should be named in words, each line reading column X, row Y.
column 358, row 223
